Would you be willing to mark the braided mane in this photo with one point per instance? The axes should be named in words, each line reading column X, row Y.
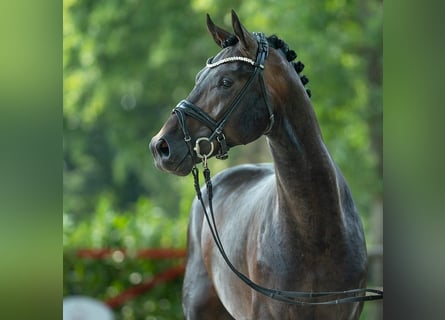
column 290, row 55
column 278, row 44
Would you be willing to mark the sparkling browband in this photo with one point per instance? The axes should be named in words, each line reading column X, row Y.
column 230, row 59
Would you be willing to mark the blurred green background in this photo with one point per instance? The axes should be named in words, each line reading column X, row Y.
column 127, row 63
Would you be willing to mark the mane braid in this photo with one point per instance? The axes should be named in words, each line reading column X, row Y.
column 275, row 43
column 290, row 55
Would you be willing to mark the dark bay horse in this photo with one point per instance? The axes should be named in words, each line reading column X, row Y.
column 290, row 226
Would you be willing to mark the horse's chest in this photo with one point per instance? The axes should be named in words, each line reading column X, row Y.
column 284, row 263
column 275, row 256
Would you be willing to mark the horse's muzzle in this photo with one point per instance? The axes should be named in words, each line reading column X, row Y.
column 171, row 156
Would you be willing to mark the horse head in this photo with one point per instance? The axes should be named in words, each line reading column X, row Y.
column 228, row 106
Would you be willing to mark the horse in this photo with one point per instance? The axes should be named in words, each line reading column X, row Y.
column 291, row 225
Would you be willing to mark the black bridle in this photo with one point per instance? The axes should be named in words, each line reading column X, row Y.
column 186, row 108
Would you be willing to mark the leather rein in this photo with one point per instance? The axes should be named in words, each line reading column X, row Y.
column 187, row 108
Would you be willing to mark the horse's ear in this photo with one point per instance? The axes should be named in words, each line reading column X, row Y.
column 244, row 36
column 218, row 34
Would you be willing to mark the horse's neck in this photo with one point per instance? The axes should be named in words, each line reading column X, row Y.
column 307, row 181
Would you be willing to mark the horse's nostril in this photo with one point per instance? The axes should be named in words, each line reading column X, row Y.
column 163, row 148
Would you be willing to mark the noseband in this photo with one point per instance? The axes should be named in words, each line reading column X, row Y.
column 187, row 108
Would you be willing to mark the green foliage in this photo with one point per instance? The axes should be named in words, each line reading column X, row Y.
column 125, row 66
column 127, row 63
column 145, row 227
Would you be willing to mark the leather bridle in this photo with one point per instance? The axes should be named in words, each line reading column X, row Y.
column 187, row 108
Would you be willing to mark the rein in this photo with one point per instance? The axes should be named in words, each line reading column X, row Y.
column 291, row 297
column 186, row 108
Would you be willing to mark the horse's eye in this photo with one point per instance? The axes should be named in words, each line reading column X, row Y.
column 227, row 83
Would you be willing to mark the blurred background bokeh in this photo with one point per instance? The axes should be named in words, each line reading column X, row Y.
column 126, row 63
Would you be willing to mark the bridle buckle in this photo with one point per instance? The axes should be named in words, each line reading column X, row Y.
column 197, row 148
